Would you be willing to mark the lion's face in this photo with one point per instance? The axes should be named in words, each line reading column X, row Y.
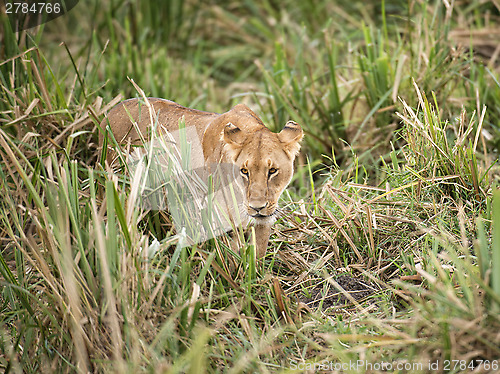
column 265, row 161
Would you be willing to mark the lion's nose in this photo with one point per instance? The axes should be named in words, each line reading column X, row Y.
column 259, row 207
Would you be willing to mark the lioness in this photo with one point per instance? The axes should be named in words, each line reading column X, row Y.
column 265, row 159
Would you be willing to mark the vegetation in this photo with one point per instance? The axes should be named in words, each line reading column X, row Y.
column 387, row 255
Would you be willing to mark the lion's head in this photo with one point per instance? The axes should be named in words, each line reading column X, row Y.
column 264, row 159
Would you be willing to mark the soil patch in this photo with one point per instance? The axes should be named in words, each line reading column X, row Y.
column 356, row 288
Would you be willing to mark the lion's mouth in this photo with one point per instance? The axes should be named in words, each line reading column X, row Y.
column 258, row 215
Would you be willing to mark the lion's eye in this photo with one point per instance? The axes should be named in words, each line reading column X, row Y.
column 244, row 171
column 273, row 171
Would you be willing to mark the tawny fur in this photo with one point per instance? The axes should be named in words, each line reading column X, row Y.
column 237, row 136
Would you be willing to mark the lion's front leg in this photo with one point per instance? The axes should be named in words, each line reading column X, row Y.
column 262, row 233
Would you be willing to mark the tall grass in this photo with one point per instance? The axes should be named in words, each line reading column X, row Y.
column 386, row 248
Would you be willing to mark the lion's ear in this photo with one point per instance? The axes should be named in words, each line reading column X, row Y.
column 290, row 136
column 233, row 135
